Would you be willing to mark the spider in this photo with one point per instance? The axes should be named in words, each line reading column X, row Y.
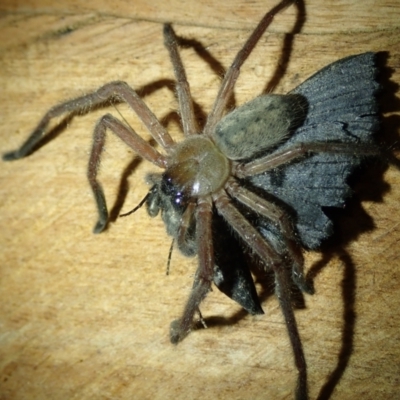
column 266, row 169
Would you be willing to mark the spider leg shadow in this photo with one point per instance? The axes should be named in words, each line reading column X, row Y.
column 283, row 62
column 348, row 227
column 349, row 223
column 348, row 288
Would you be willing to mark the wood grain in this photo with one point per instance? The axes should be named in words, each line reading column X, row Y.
column 87, row 316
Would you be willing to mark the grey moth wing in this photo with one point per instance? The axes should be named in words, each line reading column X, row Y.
column 341, row 108
column 338, row 104
column 232, row 274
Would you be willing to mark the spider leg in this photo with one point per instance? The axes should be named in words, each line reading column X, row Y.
column 133, row 140
column 271, row 161
column 114, row 90
column 282, row 288
column 184, row 226
column 205, row 272
column 233, row 72
column 275, row 214
column 266, row 252
column 188, row 119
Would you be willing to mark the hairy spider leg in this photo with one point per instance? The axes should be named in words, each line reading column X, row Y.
column 278, row 216
column 133, row 140
column 114, row 90
column 205, row 271
column 185, row 101
column 260, row 245
column 230, row 78
column 271, row 161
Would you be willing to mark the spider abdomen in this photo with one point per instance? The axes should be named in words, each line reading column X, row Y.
column 259, row 125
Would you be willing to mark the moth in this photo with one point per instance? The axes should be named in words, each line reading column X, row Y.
column 264, row 171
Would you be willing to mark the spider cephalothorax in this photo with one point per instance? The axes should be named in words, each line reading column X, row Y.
column 265, row 171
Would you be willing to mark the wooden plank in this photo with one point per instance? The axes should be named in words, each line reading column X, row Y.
column 342, row 15
column 87, row 316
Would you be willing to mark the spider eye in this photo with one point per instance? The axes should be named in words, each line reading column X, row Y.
column 173, row 191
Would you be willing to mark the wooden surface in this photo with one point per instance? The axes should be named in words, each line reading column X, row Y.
column 87, row 316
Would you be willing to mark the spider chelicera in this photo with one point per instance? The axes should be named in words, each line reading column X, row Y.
column 227, row 168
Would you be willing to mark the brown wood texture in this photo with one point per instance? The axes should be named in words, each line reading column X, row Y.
column 87, row 316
